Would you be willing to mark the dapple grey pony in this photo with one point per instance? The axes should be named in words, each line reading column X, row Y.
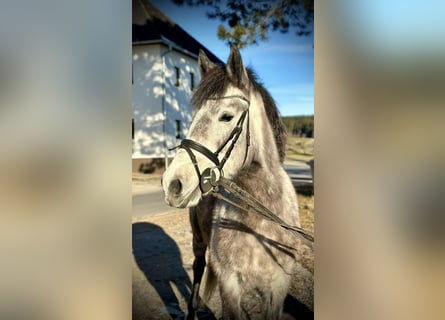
column 251, row 259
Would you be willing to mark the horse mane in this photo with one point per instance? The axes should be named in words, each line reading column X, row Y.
column 214, row 83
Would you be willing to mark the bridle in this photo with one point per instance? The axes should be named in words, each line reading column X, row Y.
column 190, row 145
column 210, row 179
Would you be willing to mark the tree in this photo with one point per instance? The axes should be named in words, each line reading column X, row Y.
column 248, row 22
column 302, row 126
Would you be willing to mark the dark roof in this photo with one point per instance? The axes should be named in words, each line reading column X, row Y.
column 150, row 24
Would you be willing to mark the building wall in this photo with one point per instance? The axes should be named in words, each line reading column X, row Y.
column 148, row 93
column 147, row 101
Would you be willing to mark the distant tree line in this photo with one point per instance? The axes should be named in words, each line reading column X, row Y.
column 302, row 126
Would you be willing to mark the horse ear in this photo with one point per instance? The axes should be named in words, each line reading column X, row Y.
column 204, row 63
column 235, row 69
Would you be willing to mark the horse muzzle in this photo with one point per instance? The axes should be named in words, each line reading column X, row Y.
column 181, row 191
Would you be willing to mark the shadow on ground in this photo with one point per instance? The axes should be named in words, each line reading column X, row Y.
column 297, row 310
column 159, row 259
column 162, row 286
column 157, row 255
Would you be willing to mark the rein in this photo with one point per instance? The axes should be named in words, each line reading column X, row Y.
column 246, row 197
column 213, row 178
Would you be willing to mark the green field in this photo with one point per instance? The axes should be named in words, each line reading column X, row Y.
column 298, row 148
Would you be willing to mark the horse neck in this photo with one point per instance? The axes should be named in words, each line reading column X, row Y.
column 264, row 164
column 264, row 149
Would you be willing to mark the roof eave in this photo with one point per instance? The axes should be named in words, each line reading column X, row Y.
column 168, row 43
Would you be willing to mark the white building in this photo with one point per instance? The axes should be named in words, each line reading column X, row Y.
column 165, row 72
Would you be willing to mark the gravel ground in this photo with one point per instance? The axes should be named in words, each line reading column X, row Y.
column 162, row 268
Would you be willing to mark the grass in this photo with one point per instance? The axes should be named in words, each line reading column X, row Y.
column 306, row 207
column 298, row 148
column 307, row 220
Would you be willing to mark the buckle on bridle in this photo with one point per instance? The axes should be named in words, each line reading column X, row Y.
column 210, row 178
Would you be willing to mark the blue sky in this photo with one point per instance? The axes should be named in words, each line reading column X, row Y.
column 284, row 63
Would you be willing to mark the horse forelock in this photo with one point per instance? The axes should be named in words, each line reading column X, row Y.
column 215, row 82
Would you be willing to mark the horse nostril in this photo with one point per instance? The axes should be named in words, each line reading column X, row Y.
column 175, row 187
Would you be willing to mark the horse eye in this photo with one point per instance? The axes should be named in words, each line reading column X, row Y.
column 226, row 117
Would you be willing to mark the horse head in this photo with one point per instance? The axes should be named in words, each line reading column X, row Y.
column 219, row 131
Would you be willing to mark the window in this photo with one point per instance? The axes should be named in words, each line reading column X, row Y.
column 178, row 74
column 178, row 129
column 132, row 128
column 192, row 81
